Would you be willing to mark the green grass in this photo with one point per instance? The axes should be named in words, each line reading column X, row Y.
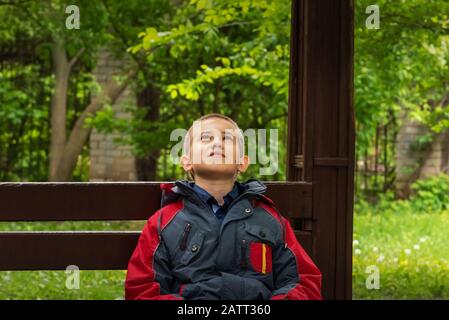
column 410, row 251
column 98, row 285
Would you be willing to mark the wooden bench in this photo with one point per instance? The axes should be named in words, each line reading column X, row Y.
column 102, row 250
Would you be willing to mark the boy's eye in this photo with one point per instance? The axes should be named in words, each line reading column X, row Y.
column 206, row 137
column 229, row 137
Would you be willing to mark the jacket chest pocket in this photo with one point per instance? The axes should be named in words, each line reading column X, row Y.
column 257, row 249
column 189, row 245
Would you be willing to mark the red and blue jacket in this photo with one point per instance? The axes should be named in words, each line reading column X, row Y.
column 184, row 252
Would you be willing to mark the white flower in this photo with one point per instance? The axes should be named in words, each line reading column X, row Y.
column 395, row 260
column 355, row 243
column 357, row 251
column 376, row 249
column 416, row 247
column 407, row 251
column 423, row 239
column 381, row 258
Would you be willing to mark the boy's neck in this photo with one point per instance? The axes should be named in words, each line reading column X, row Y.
column 217, row 188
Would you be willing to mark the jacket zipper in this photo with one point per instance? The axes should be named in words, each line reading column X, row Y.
column 243, row 262
column 183, row 245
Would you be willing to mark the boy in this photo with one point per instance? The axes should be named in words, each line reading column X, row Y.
column 216, row 238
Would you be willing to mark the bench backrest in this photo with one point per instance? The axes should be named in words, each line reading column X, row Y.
column 90, row 250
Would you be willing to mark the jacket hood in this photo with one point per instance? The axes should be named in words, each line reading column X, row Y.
column 171, row 192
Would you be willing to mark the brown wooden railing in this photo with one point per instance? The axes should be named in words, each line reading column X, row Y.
column 90, row 250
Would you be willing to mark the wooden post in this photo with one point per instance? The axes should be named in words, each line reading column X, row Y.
column 321, row 132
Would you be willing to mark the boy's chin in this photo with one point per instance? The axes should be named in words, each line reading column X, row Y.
column 216, row 171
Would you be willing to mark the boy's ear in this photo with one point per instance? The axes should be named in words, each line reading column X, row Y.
column 243, row 164
column 185, row 163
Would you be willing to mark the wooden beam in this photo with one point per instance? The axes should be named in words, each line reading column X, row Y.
column 118, row 200
column 93, row 250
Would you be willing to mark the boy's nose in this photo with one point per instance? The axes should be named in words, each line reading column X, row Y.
column 217, row 142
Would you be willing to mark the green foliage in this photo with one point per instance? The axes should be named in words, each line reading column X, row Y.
column 431, row 194
column 422, row 142
column 81, row 172
column 42, row 24
column 230, row 57
column 400, row 71
column 384, row 204
column 200, row 56
column 103, row 120
column 192, row 88
column 404, row 63
column 23, row 123
column 224, row 56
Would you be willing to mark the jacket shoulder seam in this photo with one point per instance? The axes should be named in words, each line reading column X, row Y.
column 176, row 206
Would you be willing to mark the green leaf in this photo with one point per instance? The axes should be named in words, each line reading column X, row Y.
column 201, row 4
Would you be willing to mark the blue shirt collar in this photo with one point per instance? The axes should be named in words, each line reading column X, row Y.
column 209, row 199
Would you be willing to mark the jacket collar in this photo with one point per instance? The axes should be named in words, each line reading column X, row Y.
column 182, row 189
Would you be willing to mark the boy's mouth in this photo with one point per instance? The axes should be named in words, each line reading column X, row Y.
column 216, row 153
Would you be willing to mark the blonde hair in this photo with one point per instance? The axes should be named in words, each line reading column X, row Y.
column 188, row 139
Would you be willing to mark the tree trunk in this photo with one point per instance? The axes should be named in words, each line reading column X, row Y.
column 58, row 107
column 147, row 166
column 80, row 133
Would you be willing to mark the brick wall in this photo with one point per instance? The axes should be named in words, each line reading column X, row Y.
column 110, row 161
column 416, row 163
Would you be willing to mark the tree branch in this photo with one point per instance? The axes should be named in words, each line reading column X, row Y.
column 80, row 133
column 74, row 60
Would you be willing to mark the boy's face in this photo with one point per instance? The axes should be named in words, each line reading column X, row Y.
column 214, row 151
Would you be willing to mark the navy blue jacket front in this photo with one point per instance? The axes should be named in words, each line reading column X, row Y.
column 184, row 252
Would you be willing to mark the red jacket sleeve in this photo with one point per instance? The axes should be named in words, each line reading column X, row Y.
column 149, row 275
column 297, row 277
